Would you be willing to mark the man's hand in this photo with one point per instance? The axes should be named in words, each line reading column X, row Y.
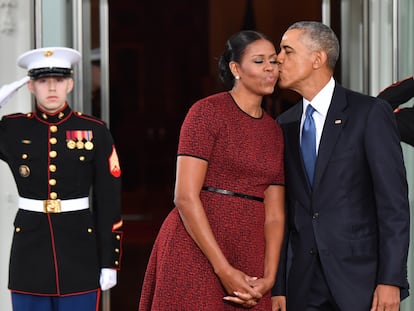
column 278, row 303
column 8, row 90
column 107, row 279
column 386, row 298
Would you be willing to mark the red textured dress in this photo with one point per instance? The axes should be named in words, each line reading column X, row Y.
column 244, row 155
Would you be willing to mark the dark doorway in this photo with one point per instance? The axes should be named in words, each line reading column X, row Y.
column 158, row 62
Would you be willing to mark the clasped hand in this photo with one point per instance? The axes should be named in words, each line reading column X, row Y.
column 243, row 289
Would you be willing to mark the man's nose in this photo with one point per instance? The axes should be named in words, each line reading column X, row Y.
column 52, row 85
column 279, row 58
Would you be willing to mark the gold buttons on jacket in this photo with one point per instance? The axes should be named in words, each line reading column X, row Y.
column 53, row 154
column 118, row 237
column 90, row 230
column 52, row 168
column 53, row 195
column 18, row 229
column 24, row 171
column 116, row 250
column 53, row 128
column 82, row 158
column 53, row 140
column 52, row 182
column 116, row 263
column 24, row 156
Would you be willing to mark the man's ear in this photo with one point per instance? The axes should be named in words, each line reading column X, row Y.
column 70, row 85
column 320, row 59
column 30, row 86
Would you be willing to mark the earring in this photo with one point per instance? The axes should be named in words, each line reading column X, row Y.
column 237, row 77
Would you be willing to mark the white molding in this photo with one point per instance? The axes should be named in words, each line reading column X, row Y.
column 8, row 16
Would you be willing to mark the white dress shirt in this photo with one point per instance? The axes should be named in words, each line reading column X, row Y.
column 321, row 103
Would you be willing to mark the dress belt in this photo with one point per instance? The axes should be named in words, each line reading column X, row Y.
column 53, row 206
column 235, row 194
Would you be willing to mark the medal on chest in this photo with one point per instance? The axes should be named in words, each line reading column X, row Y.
column 79, row 139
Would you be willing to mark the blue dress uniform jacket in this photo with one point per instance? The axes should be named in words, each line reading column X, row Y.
column 62, row 253
column 397, row 94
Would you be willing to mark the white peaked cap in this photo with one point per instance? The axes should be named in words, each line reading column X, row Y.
column 43, row 62
column 48, row 57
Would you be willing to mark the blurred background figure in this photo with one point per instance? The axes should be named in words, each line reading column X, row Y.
column 397, row 94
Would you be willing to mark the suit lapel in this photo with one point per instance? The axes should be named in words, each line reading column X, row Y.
column 335, row 120
column 294, row 151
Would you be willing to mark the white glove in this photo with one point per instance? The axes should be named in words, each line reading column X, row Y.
column 107, row 279
column 8, row 90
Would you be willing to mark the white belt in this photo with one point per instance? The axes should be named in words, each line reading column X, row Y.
column 53, row 206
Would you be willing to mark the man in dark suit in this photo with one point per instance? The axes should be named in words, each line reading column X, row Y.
column 348, row 214
column 397, row 94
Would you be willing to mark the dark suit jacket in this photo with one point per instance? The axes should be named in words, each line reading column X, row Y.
column 356, row 218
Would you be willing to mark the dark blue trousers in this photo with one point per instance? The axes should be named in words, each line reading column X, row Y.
column 320, row 297
column 82, row 302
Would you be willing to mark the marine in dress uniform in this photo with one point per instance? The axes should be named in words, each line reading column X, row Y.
column 397, row 94
column 64, row 250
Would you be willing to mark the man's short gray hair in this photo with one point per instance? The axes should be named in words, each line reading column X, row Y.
column 320, row 37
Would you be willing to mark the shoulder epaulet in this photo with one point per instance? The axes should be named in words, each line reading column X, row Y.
column 19, row 115
column 88, row 117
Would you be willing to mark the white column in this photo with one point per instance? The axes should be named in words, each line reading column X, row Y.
column 15, row 38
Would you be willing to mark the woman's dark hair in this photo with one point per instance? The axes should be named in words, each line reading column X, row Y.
column 233, row 52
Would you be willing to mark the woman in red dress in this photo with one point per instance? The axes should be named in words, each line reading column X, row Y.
column 219, row 247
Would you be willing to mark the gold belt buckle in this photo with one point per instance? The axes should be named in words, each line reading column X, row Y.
column 51, row 206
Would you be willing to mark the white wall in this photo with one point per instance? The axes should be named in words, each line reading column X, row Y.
column 15, row 30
